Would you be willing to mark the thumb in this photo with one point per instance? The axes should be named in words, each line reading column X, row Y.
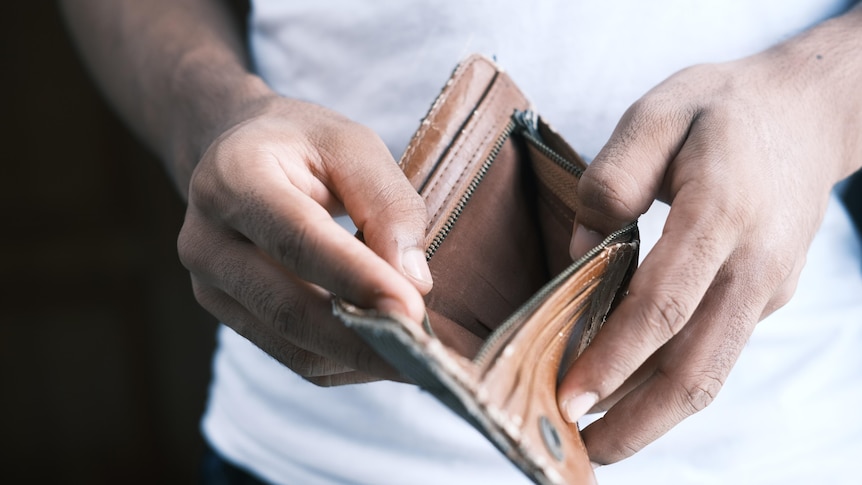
column 627, row 175
column 386, row 208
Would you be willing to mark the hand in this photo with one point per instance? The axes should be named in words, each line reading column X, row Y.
column 746, row 153
column 265, row 255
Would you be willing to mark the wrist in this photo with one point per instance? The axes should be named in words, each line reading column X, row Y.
column 207, row 102
column 821, row 71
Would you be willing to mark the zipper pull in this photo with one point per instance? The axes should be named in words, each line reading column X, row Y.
column 528, row 122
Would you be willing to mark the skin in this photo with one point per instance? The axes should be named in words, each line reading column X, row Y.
column 745, row 152
column 262, row 175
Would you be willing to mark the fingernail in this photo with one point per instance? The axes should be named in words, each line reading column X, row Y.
column 583, row 240
column 575, row 407
column 414, row 265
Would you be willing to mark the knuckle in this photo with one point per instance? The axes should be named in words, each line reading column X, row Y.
column 320, row 381
column 783, row 295
column 664, row 317
column 364, row 359
column 775, row 277
column 399, row 200
column 189, row 247
column 204, row 245
column 698, row 391
column 702, row 393
column 302, row 362
column 660, row 111
column 289, row 316
column 607, row 188
column 363, row 132
column 785, row 267
column 203, row 295
column 399, row 213
column 648, row 111
column 776, row 271
column 736, row 213
column 342, row 138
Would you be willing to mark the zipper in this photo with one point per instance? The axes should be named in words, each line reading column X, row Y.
column 526, row 122
column 502, row 332
column 468, row 193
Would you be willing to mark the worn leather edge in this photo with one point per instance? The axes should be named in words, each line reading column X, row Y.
column 457, row 168
column 455, row 104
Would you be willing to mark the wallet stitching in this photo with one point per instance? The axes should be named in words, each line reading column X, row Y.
column 460, row 145
column 488, row 133
column 434, row 112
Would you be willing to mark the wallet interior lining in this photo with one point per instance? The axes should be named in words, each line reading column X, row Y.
column 510, row 239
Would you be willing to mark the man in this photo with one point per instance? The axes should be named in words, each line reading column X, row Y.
column 745, row 150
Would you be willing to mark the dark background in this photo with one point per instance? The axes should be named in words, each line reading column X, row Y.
column 104, row 354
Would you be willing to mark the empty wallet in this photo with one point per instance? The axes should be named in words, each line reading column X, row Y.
column 510, row 310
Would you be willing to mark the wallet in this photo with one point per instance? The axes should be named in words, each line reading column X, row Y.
column 509, row 311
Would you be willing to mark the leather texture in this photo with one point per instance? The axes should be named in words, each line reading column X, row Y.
column 509, row 311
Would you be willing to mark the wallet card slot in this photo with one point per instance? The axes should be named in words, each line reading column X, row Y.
column 465, row 197
column 493, row 259
column 497, row 340
column 554, row 172
column 531, row 127
column 515, row 240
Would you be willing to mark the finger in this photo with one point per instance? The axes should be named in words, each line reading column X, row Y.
column 625, row 177
column 228, row 311
column 779, row 298
column 641, row 375
column 691, row 369
column 786, row 290
column 698, row 238
column 275, row 310
column 343, row 379
column 381, row 201
column 663, row 294
column 318, row 369
column 302, row 236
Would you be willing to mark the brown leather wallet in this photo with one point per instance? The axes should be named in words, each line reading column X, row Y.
column 509, row 311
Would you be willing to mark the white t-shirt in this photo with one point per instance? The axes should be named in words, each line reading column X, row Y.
column 788, row 412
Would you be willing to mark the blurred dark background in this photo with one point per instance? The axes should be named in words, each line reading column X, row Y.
column 104, row 354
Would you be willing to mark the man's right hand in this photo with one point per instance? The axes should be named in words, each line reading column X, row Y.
column 265, row 254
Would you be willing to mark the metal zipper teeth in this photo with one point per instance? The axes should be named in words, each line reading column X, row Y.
column 468, row 193
column 554, row 156
column 530, row 305
column 528, row 122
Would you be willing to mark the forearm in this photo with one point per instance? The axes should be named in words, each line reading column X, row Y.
column 823, row 67
column 175, row 70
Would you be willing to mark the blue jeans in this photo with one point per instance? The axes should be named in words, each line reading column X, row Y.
column 215, row 470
